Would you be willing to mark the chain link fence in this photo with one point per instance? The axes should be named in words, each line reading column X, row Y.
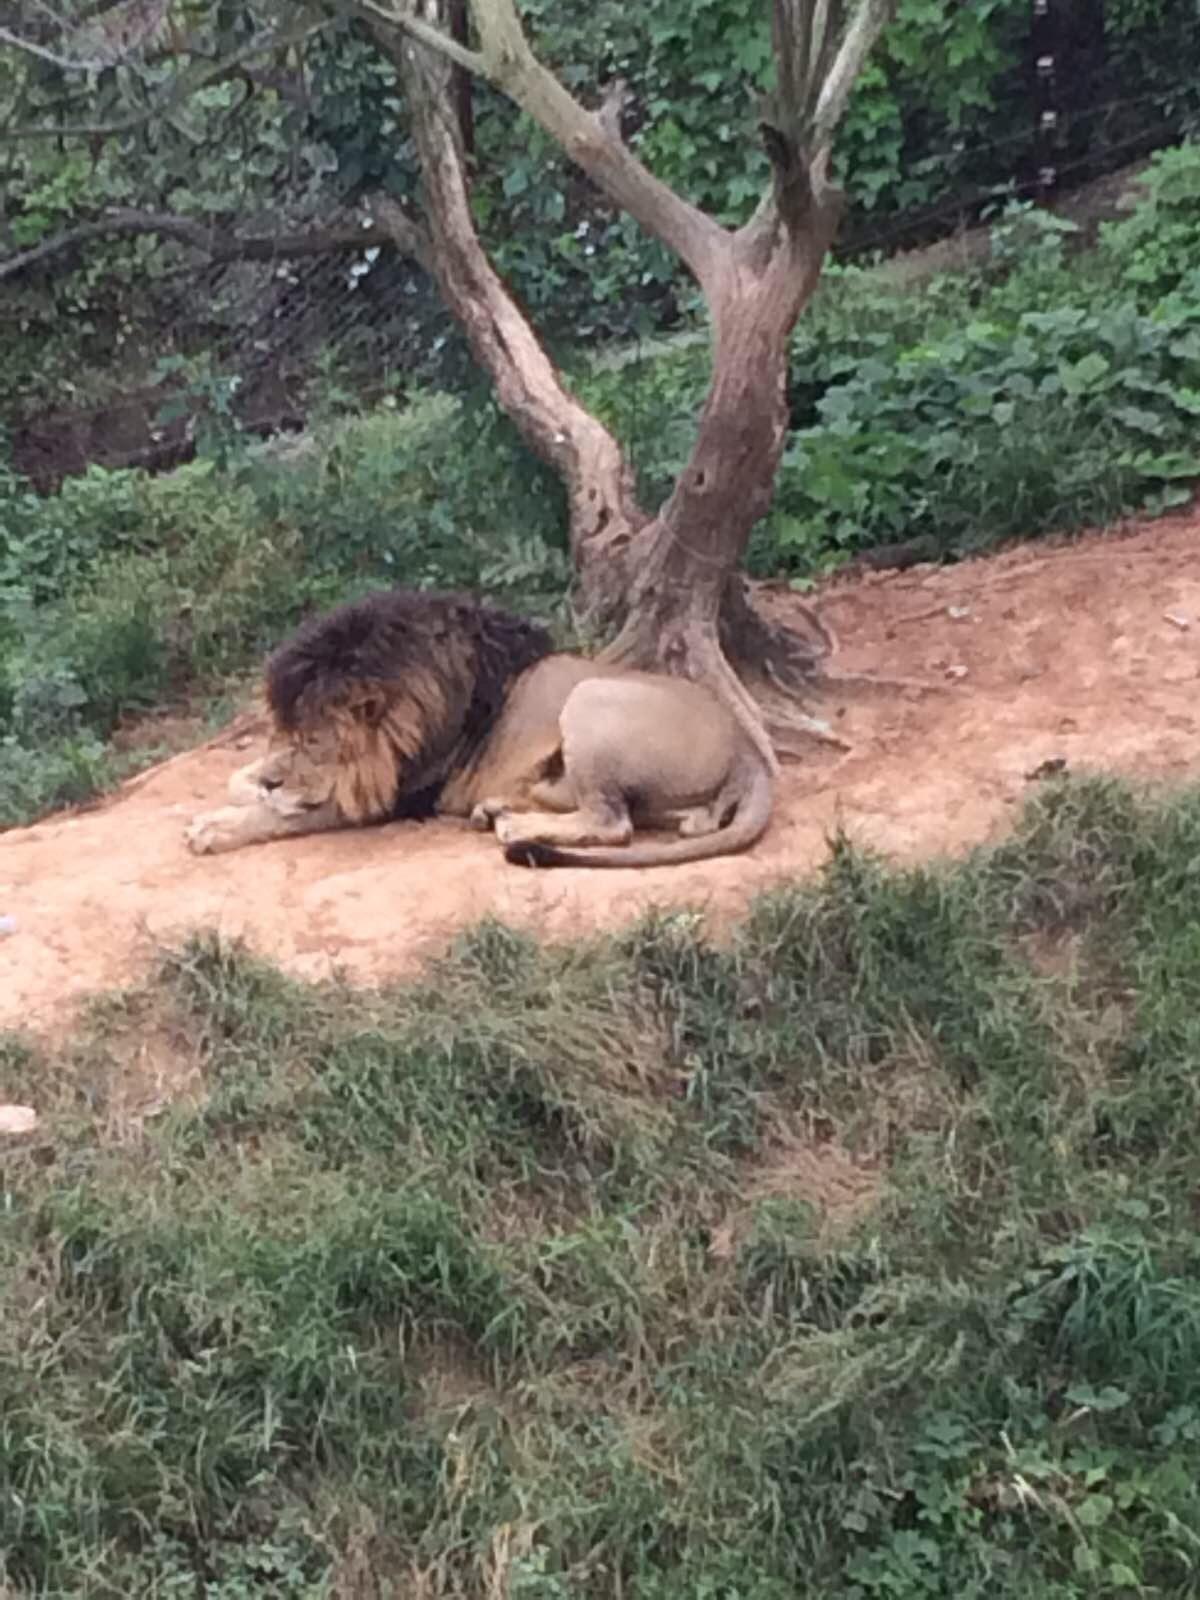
column 262, row 342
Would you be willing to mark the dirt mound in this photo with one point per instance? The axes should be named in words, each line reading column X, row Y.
column 1087, row 652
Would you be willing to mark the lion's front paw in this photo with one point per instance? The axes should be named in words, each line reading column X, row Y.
column 517, row 826
column 484, row 815
column 212, row 832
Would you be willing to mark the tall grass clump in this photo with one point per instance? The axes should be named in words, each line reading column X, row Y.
column 852, row 1256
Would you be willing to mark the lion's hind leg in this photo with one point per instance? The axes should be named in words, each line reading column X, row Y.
column 695, row 822
column 692, row 823
column 599, row 824
column 582, row 806
column 547, row 794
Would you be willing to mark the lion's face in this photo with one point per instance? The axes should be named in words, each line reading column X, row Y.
column 353, row 753
column 300, row 771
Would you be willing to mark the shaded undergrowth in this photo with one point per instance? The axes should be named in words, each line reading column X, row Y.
column 855, row 1257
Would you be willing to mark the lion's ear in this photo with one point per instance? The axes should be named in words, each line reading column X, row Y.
column 370, row 707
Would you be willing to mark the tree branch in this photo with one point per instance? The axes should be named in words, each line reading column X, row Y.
column 128, row 223
column 600, row 489
column 187, row 83
column 65, row 63
column 417, row 28
column 817, row 64
column 507, row 62
column 118, row 34
column 612, row 108
column 402, row 230
column 867, row 24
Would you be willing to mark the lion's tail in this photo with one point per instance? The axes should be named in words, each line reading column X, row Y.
column 748, row 825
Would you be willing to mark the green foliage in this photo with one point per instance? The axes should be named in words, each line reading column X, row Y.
column 445, row 493
column 930, row 120
column 1051, row 391
column 1153, row 251
column 127, row 590
column 538, row 1277
column 1009, row 426
column 940, row 121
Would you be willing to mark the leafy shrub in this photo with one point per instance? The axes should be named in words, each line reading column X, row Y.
column 444, row 492
column 1046, row 419
column 1152, row 252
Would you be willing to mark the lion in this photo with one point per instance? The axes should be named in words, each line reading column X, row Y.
column 410, row 704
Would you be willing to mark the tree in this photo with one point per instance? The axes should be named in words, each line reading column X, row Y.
column 669, row 580
column 665, row 582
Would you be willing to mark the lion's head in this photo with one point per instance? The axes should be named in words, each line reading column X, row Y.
column 374, row 704
column 299, row 772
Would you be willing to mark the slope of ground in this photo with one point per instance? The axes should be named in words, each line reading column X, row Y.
column 1087, row 652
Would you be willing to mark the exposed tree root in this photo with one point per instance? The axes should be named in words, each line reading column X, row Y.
column 794, row 731
column 789, row 657
column 789, row 715
column 781, row 667
column 869, row 686
column 773, row 676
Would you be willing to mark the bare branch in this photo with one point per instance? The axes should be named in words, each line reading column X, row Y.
column 63, row 24
column 867, row 24
column 791, row 178
column 218, row 246
column 818, row 62
column 65, row 63
column 825, row 28
column 417, row 28
column 115, row 37
column 612, row 107
column 287, row 86
column 600, row 488
column 409, row 237
column 506, row 61
column 179, row 91
column 819, row 29
column 88, row 130
column 459, row 18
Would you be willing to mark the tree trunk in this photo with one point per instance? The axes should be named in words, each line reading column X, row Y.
column 684, row 605
column 603, row 511
column 668, row 585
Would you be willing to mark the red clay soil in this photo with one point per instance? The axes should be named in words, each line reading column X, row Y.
column 1087, row 651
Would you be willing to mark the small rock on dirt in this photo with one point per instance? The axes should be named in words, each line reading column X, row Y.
column 18, row 1119
column 1053, row 767
column 8, row 925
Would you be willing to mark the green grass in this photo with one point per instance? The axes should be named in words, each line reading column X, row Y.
column 856, row 1257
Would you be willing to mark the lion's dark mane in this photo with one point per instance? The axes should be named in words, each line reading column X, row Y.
column 396, row 638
